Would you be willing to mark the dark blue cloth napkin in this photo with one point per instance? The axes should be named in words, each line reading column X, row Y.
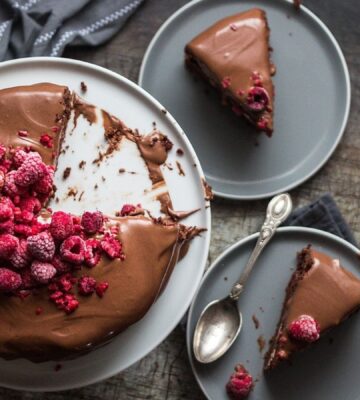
column 46, row 27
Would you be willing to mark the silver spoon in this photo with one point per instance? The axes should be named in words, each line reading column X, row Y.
column 221, row 320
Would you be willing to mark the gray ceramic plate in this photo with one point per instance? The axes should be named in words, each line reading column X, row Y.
column 311, row 107
column 329, row 370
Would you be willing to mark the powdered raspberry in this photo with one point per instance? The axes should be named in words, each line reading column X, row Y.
column 45, row 184
column 101, row 288
column 60, row 265
column 19, row 157
column 31, row 204
column 240, row 383
column 41, row 246
column 305, row 328
column 9, row 280
column 42, row 272
column 6, row 212
column 10, row 187
column 8, row 244
column 72, row 250
column 86, row 285
column 61, row 225
column 111, row 246
column 127, row 209
column 21, row 257
column 92, row 252
column 92, row 221
column 31, row 170
column 46, row 140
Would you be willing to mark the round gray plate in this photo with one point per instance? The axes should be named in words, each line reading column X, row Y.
column 329, row 370
column 311, row 106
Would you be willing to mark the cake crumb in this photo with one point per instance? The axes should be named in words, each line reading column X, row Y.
column 103, row 178
column 154, row 125
column 72, row 192
column 209, row 195
column 96, row 186
column 256, row 321
column 83, row 87
column 225, row 278
column 164, row 111
column 122, row 170
column 82, row 164
column 66, row 172
column 57, row 367
column 180, row 169
column 81, row 195
column 297, row 4
column 180, row 152
column 261, row 343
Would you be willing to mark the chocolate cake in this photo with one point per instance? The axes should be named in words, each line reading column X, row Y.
column 320, row 295
column 71, row 282
column 233, row 55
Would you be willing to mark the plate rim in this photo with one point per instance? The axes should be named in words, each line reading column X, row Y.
column 207, row 210
column 344, row 122
column 222, row 256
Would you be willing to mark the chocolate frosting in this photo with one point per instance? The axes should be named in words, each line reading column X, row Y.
column 151, row 252
column 36, row 109
column 235, row 47
column 327, row 292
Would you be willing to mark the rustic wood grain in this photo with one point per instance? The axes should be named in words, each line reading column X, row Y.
column 165, row 372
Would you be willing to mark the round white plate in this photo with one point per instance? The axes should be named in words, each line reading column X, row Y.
column 328, row 370
column 139, row 110
column 312, row 99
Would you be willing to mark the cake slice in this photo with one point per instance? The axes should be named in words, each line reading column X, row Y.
column 320, row 295
column 233, row 55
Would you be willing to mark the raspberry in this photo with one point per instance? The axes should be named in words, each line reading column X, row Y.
column 6, row 212
column 23, row 230
column 19, row 157
column 127, row 209
column 45, row 184
column 60, row 265
column 92, row 253
column 65, row 283
column 2, row 151
column 226, row 82
column 61, row 225
column 31, row 204
column 10, row 187
column 257, row 99
column 30, row 171
column 240, row 383
column 46, row 140
column 7, row 227
column 23, row 216
column 2, row 179
column 9, row 280
column 305, row 329
column 42, row 272
column 66, row 302
column 111, row 246
column 101, row 288
column 92, row 221
column 41, row 246
column 21, row 257
column 86, row 285
column 8, row 244
column 72, row 250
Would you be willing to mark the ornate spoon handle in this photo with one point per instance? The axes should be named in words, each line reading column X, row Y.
column 277, row 211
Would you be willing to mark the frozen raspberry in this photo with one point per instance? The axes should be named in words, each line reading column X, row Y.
column 8, row 245
column 92, row 252
column 305, row 328
column 127, row 209
column 257, row 99
column 7, row 226
column 6, row 212
column 10, row 187
column 65, row 283
column 101, row 288
column 45, row 184
column 60, row 265
column 19, row 157
column 2, row 151
column 2, row 179
column 240, row 383
column 31, row 204
column 61, row 225
column 86, row 285
column 70, row 303
column 111, row 246
column 30, row 171
column 92, row 221
column 21, row 257
column 41, row 246
column 46, row 140
column 23, row 230
column 23, row 216
column 9, row 280
column 72, row 250
column 42, row 272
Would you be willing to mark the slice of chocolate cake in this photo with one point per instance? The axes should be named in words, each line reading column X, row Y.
column 320, row 295
column 233, row 55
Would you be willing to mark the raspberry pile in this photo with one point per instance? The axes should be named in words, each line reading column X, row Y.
column 305, row 329
column 34, row 253
column 240, row 383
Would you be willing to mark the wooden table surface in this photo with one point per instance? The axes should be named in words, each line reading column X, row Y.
column 165, row 373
